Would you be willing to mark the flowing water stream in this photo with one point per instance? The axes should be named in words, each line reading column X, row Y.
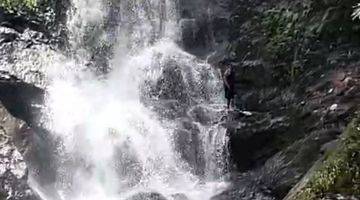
column 149, row 127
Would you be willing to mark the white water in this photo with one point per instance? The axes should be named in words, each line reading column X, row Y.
column 114, row 141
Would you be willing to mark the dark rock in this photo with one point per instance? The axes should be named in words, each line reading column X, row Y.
column 285, row 169
column 147, row 196
column 22, row 100
column 169, row 109
column 204, row 115
column 255, row 138
column 13, row 167
column 248, row 73
column 7, row 37
column 246, row 189
column 20, row 22
column 205, row 25
column 171, row 85
column 281, row 172
column 180, row 197
column 127, row 166
column 220, row 26
column 188, row 143
column 188, row 28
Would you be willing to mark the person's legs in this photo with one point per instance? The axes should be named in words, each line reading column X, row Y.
column 228, row 103
column 232, row 103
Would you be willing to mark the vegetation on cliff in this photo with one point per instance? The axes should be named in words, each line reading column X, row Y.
column 16, row 5
column 293, row 31
column 46, row 16
column 292, row 36
column 340, row 172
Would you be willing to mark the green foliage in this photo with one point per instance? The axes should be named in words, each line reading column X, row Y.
column 15, row 5
column 283, row 30
column 340, row 172
column 291, row 30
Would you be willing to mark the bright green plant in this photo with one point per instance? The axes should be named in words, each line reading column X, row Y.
column 340, row 172
column 15, row 5
column 284, row 31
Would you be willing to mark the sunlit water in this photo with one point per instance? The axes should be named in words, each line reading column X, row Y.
column 116, row 141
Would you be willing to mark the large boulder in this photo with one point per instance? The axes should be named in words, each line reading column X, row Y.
column 13, row 167
column 286, row 168
column 188, row 143
column 21, row 105
column 255, row 138
column 281, row 172
column 336, row 173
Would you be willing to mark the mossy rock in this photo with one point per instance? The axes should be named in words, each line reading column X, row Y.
column 3, row 196
column 339, row 173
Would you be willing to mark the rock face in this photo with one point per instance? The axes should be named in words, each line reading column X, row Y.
column 337, row 174
column 18, row 50
column 301, row 92
column 300, row 100
column 13, row 168
column 22, row 100
column 27, row 36
column 204, row 25
column 188, row 143
column 26, row 147
column 253, row 138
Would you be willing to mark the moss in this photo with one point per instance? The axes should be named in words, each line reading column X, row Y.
column 3, row 196
column 15, row 5
column 340, row 172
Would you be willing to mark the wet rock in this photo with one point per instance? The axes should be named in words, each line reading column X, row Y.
column 188, row 143
column 25, row 55
column 7, row 37
column 285, row 169
column 248, row 73
column 127, row 166
column 180, row 197
column 147, row 196
column 281, row 172
column 22, row 100
column 255, row 138
column 188, row 28
column 204, row 24
column 246, row 189
column 205, row 115
column 169, row 109
column 171, row 85
column 13, row 168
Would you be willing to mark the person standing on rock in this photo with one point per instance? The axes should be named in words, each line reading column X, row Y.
column 229, row 83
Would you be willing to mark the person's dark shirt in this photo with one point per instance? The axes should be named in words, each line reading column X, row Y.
column 229, row 77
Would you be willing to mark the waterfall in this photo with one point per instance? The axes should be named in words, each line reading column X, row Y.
column 148, row 126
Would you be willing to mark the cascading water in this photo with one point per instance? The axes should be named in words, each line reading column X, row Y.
column 149, row 129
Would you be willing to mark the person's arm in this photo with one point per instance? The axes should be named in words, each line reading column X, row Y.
column 225, row 80
column 226, row 83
